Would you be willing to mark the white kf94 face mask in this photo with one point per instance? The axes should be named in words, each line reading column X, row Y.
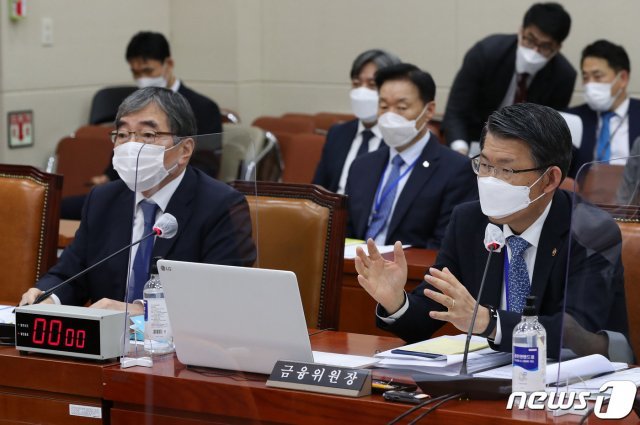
column 598, row 95
column 499, row 199
column 529, row 60
column 397, row 130
column 141, row 166
column 364, row 104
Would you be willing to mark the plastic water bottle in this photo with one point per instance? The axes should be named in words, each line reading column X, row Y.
column 529, row 351
column 158, row 338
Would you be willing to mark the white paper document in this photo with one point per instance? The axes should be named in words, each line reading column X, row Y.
column 343, row 360
column 7, row 315
column 350, row 250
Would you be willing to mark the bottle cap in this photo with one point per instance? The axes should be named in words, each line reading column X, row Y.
column 530, row 306
column 153, row 269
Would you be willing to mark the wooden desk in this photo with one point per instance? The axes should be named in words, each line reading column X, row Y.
column 357, row 308
column 38, row 389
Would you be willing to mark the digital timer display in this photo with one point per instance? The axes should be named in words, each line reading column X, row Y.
column 67, row 334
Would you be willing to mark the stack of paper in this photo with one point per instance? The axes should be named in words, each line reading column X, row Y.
column 351, row 245
column 443, row 356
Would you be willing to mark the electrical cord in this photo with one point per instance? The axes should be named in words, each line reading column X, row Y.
column 416, row 407
column 434, row 407
column 320, row 331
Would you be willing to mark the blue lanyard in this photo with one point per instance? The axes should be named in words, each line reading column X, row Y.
column 381, row 197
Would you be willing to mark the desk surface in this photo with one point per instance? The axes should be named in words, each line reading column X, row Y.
column 39, row 389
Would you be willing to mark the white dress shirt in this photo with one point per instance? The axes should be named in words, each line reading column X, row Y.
column 374, row 144
column 409, row 156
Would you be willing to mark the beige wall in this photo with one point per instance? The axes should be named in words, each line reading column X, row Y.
column 258, row 57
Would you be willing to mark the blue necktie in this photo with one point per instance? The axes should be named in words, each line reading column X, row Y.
column 367, row 135
column 387, row 196
column 143, row 255
column 604, row 143
column 518, row 283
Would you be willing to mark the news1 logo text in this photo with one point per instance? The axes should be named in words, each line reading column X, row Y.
column 623, row 394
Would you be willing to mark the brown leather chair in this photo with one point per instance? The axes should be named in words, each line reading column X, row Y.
column 30, row 212
column 301, row 228
column 630, row 255
column 285, row 125
column 82, row 156
column 325, row 120
column 301, row 154
column 600, row 183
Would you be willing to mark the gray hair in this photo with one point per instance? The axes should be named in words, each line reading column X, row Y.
column 180, row 116
column 380, row 58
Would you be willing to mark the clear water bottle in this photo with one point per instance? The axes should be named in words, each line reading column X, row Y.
column 158, row 338
column 529, row 351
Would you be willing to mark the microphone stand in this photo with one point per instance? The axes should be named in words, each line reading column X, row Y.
column 463, row 368
column 46, row 294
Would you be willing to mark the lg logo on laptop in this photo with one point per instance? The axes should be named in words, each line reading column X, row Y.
column 165, row 268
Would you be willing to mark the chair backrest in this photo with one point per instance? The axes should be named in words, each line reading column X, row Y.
column 301, row 228
column 301, row 154
column 249, row 153
column 30, row 212
column 630, row 254
column 286, row 125
column 105, row 103
column 229, row 116
column 82, row 156
column 600, row 183
column 324, row 120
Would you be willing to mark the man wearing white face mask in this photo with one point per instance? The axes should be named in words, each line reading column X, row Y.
column 406, row 189
column 526, row 152
column 153, row 143
column 610, row 119
column 346, row 141
column 503, row 69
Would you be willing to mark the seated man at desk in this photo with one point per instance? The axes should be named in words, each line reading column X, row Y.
column 525, row 155
column 213, row 219
column 407, row 189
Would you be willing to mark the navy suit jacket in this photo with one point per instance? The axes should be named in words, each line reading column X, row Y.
column 595, row 289
column 483, row 80
column 423, row 208
column 589, row 119
column 213, row 227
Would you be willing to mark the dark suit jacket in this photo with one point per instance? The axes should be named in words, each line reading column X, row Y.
column 213, row 227
column 483, row 80
column 595, row 289
column 589, row 129
column 334, row 153
column 423, row 208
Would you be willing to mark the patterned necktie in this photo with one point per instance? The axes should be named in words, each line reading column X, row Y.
column 518, row 284
column 521, row 88
column 388, row 194
column 604, row 143
column 143, row 255
column 367, row 135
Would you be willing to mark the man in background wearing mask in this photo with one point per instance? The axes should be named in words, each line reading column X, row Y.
column 525, row 155
column 504, row 69
column 610, row 119
column 149, row 58
column 348, row 140
column 153, row 143
column 406, row 189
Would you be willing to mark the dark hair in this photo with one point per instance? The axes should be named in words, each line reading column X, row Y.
column 378, row 57
column 180, row 116
column 148, row 45
column 614, row 54
column 540, row 127
column 406, row 71
column 550, row 18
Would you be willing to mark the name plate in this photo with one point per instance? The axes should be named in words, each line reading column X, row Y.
column 320, row 378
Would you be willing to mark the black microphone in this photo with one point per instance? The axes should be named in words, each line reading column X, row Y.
column 493, row 241
column 478, row 388
column 165, row 227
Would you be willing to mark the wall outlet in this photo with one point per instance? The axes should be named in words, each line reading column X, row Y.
column 47, row 32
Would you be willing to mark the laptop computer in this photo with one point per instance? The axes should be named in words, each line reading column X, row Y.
column 235, row 318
